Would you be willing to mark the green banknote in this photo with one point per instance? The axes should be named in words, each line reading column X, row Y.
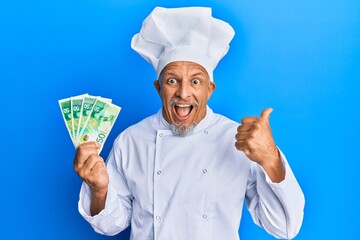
column 99, row 123
column 76, row 105
column 88, row 118
column 65, row 106
column 87, row 107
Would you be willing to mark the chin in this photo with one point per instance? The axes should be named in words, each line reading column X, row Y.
column 183, row 130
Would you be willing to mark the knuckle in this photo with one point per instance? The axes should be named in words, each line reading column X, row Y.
column 247, row 141
column 250, row 144
column 246, row 151
column 81, row 173
column 252, row 135
column 76, row 168
column 95, row 158
column 245, row 118
column 239, row 127
column 88, row 180
column 79, row 155
column 97, row 166
column 81, row 146
column 256, row 126
column 250, row 148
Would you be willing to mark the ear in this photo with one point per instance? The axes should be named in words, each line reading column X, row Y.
column 157, row 86
column 211, row 89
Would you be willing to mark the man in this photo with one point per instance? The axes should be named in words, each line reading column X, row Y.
column 177, row 174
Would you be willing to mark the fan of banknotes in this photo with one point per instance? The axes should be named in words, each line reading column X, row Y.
column 88, row 118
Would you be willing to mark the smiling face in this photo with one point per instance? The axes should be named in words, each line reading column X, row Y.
column 184, row 89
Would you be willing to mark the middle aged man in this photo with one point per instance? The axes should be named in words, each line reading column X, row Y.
column 177, row 174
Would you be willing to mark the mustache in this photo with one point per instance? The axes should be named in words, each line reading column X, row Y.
column 177, row 100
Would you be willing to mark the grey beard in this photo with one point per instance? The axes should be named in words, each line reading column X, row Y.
column 183, row 131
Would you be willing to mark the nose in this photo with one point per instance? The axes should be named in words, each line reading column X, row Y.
column 183, row 91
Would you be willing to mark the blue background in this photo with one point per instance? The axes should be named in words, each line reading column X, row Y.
column 301, row 57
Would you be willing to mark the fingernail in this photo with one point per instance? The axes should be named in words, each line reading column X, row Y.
column 98, row 144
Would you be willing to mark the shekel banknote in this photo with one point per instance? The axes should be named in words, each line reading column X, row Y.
column 88, row 118
column 88, row 104
column 99, row 124
column 86, row 108
column 65, row 106
column 76, row 105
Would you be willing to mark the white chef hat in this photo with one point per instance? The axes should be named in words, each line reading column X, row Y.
column 183, row 34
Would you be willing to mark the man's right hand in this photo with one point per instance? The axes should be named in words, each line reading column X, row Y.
column 91, row 168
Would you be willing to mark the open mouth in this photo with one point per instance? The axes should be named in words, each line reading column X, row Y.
column 183, row 110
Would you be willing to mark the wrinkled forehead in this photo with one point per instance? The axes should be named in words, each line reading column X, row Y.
column 182, row 68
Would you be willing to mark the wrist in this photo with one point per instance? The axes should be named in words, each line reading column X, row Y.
column 274, row 167
column 98, row 200
column 99, row 193
column 271, row 159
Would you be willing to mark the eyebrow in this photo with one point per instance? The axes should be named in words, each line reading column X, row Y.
column 170, row 74
column 198, row 73
column 173, row 74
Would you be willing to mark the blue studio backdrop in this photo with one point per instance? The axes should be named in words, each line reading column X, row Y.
column 301, row 57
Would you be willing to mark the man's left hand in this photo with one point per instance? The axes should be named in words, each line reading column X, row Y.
column 255, row 139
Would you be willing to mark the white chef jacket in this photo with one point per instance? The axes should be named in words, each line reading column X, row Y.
column 171, row 187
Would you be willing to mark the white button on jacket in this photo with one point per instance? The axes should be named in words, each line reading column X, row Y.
column 169, row 187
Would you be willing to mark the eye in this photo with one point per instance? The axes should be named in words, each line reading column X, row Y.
column 171, row 81
column 195, row 81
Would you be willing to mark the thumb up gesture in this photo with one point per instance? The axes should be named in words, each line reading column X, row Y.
column 255, row 139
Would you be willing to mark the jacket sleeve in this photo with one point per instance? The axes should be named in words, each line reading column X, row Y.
column 116, row 215
column 276, row 207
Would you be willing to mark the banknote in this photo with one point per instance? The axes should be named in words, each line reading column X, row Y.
column 88, row 118
column 87, row 106
column 99, row 124
column 65, row 106
column 76, row 105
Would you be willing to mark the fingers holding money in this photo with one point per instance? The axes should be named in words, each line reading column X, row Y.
column 89, row 120
column 90, row 166
column 83, row 152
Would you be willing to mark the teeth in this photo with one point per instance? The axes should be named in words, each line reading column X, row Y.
column 183, row 110
column 182, row 105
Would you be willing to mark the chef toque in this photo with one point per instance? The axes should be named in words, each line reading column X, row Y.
column 183, row 34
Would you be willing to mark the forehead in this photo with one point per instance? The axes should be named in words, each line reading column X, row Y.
column 184, row 67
